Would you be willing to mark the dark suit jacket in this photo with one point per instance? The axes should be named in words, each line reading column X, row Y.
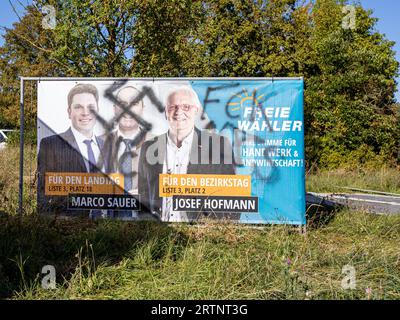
column 110, row 151
column 111, row 162
column 58, row 153
column 149, row 172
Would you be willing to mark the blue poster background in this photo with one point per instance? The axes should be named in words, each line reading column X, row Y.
column 278, row 175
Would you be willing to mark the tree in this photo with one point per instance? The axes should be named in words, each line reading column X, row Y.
column 26, row 52
column 350, row 99
column 94, row 38
column 349, row 73
column 248, row 38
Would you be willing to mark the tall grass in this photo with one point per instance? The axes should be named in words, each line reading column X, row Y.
column 145, row 260
column 9, row 179
column 117, row 260
column 385, row 179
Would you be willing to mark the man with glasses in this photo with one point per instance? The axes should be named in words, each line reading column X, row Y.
column 184, row 149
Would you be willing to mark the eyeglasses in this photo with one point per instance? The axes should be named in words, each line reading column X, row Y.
column 183, row 107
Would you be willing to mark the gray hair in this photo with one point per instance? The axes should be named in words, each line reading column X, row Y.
column 186, row 88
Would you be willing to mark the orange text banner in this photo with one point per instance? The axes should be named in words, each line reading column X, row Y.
column 204, row 184
column 64, row 183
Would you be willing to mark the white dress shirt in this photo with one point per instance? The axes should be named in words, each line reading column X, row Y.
column 83, row 149
column 176, row 162
column 79, row 138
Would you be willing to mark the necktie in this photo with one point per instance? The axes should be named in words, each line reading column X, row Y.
column 127, row 165
column 92, row 160
column 94, row 214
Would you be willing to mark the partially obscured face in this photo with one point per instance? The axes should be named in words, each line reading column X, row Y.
column 81, row 112
column 127, row 122
column 181, row 110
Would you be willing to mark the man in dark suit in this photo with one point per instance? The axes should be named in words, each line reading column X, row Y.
column 75, row 150
column 122, row 146
column 184, row 149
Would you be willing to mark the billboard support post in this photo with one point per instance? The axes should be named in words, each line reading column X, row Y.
column 21, row 149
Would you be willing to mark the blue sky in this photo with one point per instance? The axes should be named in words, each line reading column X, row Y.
column 386, row 10
column 388, row 13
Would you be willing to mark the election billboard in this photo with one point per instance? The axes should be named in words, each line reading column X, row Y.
column 172, row 150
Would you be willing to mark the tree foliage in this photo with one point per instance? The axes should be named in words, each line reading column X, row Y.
column 350, row 112
column 350, row 100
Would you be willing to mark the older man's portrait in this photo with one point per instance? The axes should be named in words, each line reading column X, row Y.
column 183, row 149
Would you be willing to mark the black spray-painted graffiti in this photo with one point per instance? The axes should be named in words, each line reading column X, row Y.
column 239, row 136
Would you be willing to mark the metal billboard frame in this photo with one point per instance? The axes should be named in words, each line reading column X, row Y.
column 154, row 79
